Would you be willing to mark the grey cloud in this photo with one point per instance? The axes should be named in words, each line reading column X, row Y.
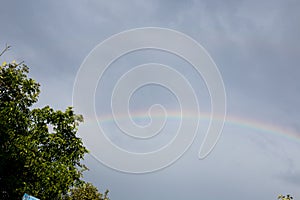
column 292, row 178
column 254, row 43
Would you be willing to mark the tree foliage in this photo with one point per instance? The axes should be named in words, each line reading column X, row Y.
column 40, row 153
column 86, row 191
column 287, row 197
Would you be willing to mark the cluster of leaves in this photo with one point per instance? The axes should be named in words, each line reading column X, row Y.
column 287, row 197
column 39, row 151
column 86, row 191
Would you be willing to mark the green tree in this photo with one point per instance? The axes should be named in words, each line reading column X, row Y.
column 287, row 197
column 86, row 191
column 40, row 153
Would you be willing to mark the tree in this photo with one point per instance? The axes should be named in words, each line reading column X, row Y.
column 287, row 197
column 40, row 153
column 86, row 191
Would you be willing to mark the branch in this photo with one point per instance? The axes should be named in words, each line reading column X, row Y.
column 7, row 47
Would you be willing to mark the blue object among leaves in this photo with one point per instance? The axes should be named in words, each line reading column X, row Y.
column 28, row 197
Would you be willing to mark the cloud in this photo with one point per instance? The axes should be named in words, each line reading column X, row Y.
column 291, row 178
column 256, row 47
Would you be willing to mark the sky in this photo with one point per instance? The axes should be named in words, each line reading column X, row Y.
column 254, row 44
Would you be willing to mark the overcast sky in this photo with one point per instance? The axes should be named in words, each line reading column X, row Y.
column 255, row 45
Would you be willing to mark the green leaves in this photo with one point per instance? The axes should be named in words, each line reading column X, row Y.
column 16, row 87
column 85, row 191
column 35, row 159
column 287, row 197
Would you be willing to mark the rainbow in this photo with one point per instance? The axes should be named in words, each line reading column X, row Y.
column 245, row 123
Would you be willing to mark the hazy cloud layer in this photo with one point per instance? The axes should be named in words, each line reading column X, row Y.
column 256, row 47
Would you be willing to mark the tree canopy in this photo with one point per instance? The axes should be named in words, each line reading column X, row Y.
column 287, row 197
column 40, row 153
column 86, row 191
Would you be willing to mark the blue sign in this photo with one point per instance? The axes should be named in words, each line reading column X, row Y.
column 28, row 197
